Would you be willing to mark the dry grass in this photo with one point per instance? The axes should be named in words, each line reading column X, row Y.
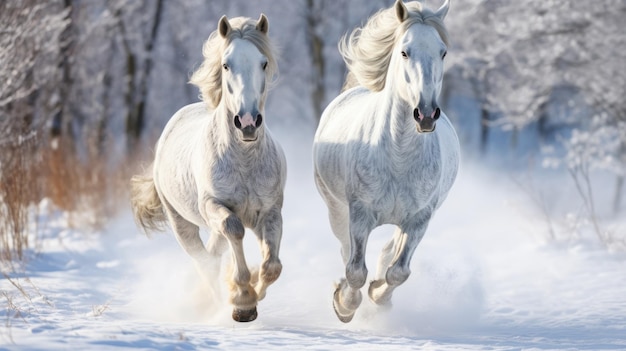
column 18, row 188
column 19, row 301
column 86, row 187
column 98, row 310
column 12, row 312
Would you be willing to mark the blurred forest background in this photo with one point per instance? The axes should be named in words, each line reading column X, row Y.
column 86, row 87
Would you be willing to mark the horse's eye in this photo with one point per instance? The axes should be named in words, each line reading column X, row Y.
column 264, row 65
column 225, row 66
column 404, row 54
column 443, row 56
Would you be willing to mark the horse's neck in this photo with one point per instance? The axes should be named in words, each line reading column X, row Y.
column 217, row 132
column 397, row 118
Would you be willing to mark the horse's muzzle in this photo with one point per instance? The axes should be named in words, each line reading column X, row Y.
column 426, row 124
column 248, row 125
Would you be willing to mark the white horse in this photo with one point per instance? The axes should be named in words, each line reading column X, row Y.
column 378, row 157
column 217, row 166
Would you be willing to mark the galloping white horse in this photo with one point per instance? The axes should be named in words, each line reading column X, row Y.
column 217, row 166
column 378, row 157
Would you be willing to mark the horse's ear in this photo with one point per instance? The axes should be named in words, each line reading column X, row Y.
column 223, row 27
column 263, row 25
column 401, row 11
column 443, row 10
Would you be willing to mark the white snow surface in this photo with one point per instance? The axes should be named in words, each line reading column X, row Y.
column 484, row 278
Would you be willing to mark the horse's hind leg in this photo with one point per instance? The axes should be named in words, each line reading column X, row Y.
column 339, row 217
column 387, row 256
column 225, row 222
column 188, row 236
column 216, row 246
column 394, row 265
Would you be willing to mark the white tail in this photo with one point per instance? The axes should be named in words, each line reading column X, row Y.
column 146, row 205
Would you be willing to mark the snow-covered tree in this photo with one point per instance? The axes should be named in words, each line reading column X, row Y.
column 520, row 54
column 30, row 45
column 31, row 35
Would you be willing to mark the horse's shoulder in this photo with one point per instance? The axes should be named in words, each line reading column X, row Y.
column 187, row 117
column 196, row 107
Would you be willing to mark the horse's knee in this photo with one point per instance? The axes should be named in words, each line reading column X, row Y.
column 242, row 278
column 233, row 228
column 356, row 275
column 397, row 275
column 270, row 271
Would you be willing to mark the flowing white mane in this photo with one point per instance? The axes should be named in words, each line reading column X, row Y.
column 208, row 77
column 367, row 50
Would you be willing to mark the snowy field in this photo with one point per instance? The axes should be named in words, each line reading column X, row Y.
column 485, row 277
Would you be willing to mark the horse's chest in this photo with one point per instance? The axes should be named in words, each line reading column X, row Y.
column 393, row 189
column 247, row 190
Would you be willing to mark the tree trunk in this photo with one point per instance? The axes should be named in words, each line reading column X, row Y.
column 61, row 124
column 484, row 129
column 617, row 199
column 619, row 185
column 542, row 121
column 135, row 99
column 143, row 87
column 316, row 48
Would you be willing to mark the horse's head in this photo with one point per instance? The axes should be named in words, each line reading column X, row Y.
column 239, row 65
column 244, row 75
column 418, row 59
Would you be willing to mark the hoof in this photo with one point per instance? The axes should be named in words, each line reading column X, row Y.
column 343, row 314
column 244, row 315
column 382, row 300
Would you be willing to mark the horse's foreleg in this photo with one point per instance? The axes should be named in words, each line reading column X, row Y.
column 242, row 297
column 269, row 234
column 347, row 297
column 405, row 242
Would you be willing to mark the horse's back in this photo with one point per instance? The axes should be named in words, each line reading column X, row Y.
column 186, row 119
column 173, row 162
column 348, row 105
column 181, row 133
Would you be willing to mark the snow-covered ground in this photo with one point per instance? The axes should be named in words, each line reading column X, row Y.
column 484, row 278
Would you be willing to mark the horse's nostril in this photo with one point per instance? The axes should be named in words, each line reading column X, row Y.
column 437, row 113
column 259, row 120
column 416, row 114
column 237, row 122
